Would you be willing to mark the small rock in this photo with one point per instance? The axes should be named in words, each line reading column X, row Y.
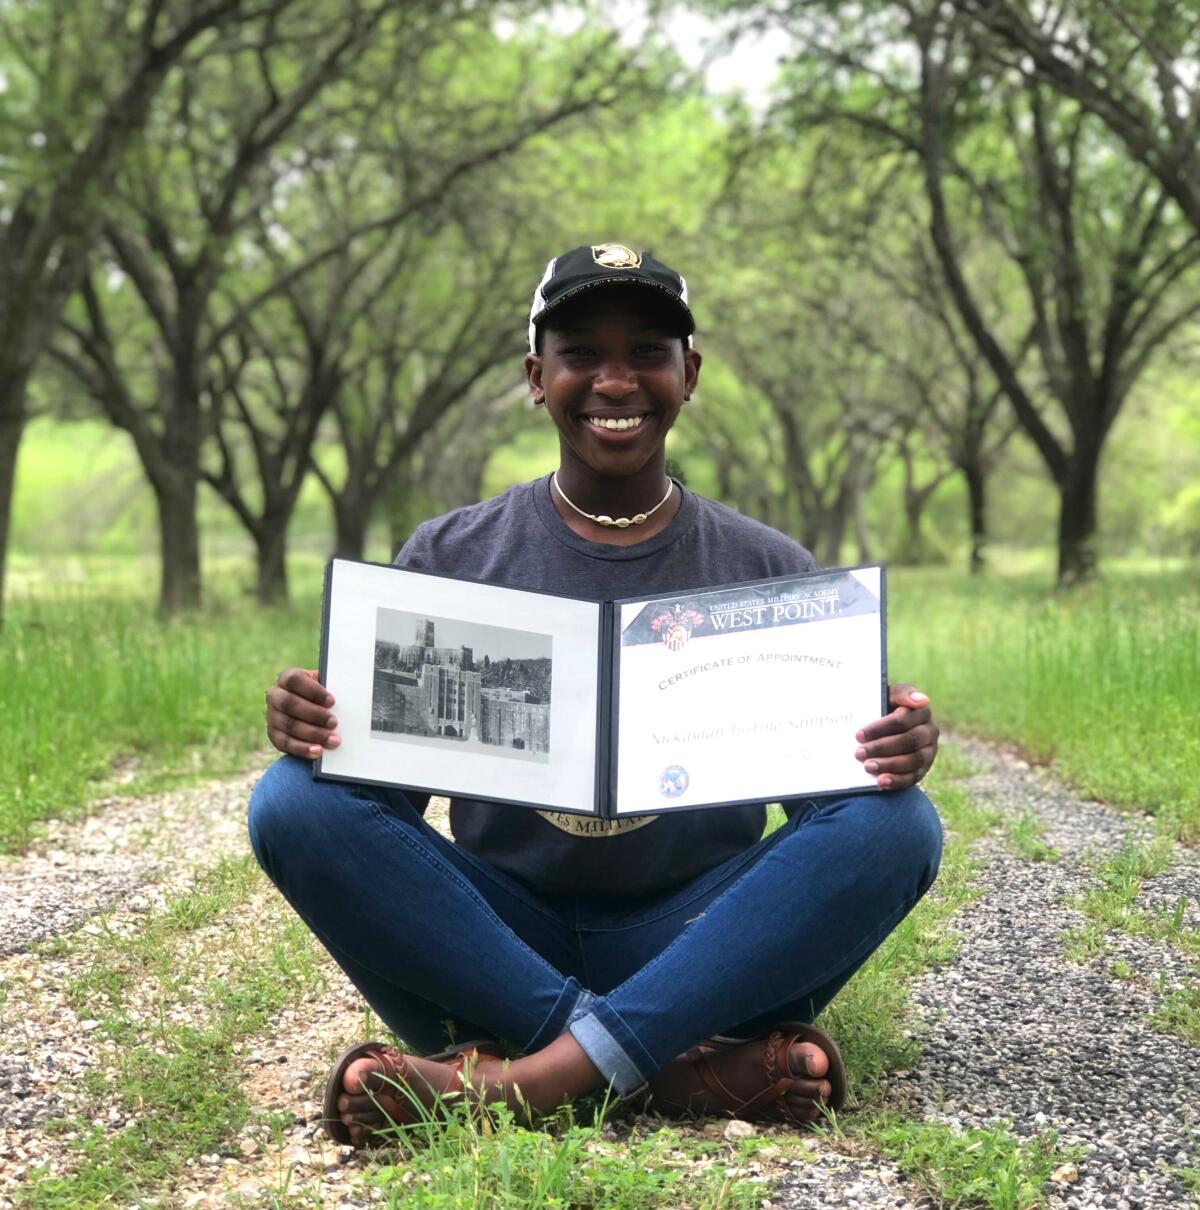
column 739, row 1130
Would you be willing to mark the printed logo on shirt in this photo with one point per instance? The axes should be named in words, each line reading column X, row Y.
column 590, row 827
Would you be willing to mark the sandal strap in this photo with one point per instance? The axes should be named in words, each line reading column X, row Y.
column 733, row 1103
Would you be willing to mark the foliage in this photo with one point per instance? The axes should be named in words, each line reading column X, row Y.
column 973, row 1167
column 482, row 1158
column 303, row 242
column 1095, row 680
column 96, row 687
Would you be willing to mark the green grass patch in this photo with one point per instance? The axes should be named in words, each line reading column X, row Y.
column 1105, row 681
column 172, row 1000
column 1113, row 904
column 482, row 1158
column 93, row 683
column 1025, row 835
column 1179, row 1013
column 973, row 1167
column 1083, row 943
column 1189, row 1178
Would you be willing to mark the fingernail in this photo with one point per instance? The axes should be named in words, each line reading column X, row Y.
column 314, row 750
column 329, row 699
column 860, row 754
column 331, row 722
column 885, row 782
column 333, row 741
column 860, row 736
column 918, row 696
column 872, row 766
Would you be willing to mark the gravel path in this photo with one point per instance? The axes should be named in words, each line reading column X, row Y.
column 81, row 869
column 1011, row 1030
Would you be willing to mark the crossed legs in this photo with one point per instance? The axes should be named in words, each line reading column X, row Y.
column 431, row 934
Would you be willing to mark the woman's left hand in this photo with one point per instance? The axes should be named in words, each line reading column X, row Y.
column 899, row 748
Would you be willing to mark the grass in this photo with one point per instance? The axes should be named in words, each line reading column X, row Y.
column 1179, row 1013
column 1104, row 681
column 93, row 685
column 172, row 999
column 483, row 1159
column 1189, row 1178
column 1025, row 835
column 975, row 1167
column 94, row 680
column 1113, row 904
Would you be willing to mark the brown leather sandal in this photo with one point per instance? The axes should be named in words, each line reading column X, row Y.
column 394, row 1066
column 770, row 1104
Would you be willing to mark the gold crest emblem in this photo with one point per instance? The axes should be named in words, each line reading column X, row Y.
column 616, row 256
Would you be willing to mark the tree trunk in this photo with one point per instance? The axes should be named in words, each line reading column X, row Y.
column 270, row 548
column 352, row 518
column 179, row 536
column 12, row 425
column 1077, row 519
column 861, row 534
column 404, row 511
column 831, row 532
column 914, row 514
column 977, row 512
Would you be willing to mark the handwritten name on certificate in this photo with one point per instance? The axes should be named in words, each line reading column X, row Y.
column 752, row 693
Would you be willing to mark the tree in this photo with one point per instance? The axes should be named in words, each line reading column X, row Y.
column 955, row 400
column 369, row 89
column 1095, row 245
column 81, row 82
column 1132, row 66
column 448, row 465
column 431, row 345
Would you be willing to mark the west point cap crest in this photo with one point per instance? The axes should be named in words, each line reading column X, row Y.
column 616, row 256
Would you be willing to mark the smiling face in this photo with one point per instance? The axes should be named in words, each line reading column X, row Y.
column 613, row 374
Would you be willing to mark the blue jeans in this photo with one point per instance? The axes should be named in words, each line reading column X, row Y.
column 444, row 945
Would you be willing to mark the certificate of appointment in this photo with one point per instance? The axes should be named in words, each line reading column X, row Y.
column 748, row 693
column 720, row 695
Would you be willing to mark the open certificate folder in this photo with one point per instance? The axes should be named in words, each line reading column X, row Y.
column 733, row 694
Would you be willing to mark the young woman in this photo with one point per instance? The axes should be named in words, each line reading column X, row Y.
column 685, row 954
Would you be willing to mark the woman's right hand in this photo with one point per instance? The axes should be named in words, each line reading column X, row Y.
column 298, row 715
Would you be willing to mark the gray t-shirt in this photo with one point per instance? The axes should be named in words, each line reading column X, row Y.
column 518, row 540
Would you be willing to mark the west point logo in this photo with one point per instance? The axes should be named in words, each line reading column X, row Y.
column 616, row 256
column 675, row 626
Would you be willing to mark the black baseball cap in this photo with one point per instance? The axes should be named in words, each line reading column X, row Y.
column 591, row 265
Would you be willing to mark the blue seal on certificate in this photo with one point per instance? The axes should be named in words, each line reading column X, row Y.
column 673, row 781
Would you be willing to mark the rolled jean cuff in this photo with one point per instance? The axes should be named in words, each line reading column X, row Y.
column 572, row 1000
column 610, row 1044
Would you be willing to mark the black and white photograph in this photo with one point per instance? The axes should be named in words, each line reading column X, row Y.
column 445, row 685
column 461, row 685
